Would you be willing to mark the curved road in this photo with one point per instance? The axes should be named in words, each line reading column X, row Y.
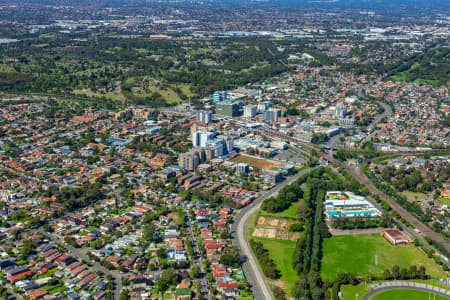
column 373, row 293
column 250, row 266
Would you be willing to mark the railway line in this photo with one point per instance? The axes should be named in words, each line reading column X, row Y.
column 366, row 182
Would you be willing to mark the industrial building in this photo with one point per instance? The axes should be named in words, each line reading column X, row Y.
column 395, row 237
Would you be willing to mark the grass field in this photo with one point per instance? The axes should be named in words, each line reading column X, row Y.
column 260, row 163
column 360, row 253
column 414, row 196
column 289, row 213
column 405, row 294
column 281, row 252
column 444, row 200
column 349, row 291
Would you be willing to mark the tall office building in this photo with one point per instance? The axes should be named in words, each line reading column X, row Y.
column 242, row 168
column 220, row 96
column 204, row 116
column 190, row 160
column 227, row 109
column 341, row 111
column 201, row 138
column 217, row 147
column 272, row 114
column 230, row 145
column 205, row 137
column 196, row 139
column 263, row 106
column 249, row 111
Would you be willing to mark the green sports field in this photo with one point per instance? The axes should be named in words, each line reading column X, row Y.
column 360, row 253
column 406, row 294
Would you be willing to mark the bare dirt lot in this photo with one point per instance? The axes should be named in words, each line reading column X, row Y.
column 274, row 228
column 260, row 163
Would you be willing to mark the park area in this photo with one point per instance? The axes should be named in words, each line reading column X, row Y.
column 358, row 254
column 281, row 251
column 260, row 163
column 406, row 294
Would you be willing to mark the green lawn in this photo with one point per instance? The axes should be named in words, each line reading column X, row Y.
column 349, row 291
column 414, row 196
column 281, row 251
column 360, row 253
column 444, row 200
column 57, row 289
column 289, row 213
column 405, row 294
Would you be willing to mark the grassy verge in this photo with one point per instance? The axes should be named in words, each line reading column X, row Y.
column 414, row 196
column 349, row 291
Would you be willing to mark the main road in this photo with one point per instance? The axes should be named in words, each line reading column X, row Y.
column 250, row 266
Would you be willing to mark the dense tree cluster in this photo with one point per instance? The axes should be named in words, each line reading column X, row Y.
column 432, row 66
column 286, row 196
column 407, row 179
column 142, row 71
column 319, row 138
column 278, row 293
column 76, row 197
column 231, row 258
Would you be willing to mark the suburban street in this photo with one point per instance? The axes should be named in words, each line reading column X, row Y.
column 198, row 260
column 81, row 255
column 250, row 266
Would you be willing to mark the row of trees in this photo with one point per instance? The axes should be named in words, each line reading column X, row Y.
column 267, row 265
column 308, row 251
column 360, row 222
column 412, row 273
